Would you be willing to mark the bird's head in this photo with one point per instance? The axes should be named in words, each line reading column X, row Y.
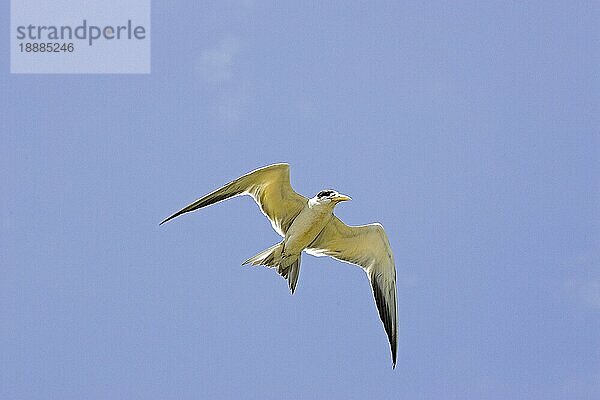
column 329, row 196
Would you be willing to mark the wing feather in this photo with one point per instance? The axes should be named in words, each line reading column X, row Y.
column 269, row 187
column 368, row 247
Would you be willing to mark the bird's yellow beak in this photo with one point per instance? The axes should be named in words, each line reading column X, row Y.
column 342, row 197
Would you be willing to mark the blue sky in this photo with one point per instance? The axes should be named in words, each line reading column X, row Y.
column 470, row 131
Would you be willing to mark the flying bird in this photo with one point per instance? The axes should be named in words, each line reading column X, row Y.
column 309, row 225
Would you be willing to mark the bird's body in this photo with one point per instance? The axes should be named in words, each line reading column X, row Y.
column 307, row 226
column 310, row 225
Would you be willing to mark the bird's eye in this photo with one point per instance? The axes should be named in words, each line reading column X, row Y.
column 324, row 193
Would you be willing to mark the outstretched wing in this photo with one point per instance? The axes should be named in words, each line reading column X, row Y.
column 368, row 247
column 269, row 187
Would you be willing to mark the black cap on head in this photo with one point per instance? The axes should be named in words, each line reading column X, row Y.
column 325, row 193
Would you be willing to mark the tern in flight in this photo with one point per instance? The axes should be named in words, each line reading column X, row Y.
column 310, row 225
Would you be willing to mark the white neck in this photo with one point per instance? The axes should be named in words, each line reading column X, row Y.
column 316, row 205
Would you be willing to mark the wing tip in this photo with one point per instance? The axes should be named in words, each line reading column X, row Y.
column 170, row 218
column 165, row 220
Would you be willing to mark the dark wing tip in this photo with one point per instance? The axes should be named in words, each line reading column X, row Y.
column 389, row 321
column 166, row 220
column 177, row 214
column 394, row 348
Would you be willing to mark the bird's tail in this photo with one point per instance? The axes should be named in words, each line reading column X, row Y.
column 288, row 266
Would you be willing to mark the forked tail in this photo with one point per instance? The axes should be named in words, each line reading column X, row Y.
column 288, row 266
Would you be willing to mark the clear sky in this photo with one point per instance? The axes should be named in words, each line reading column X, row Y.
column 470, row 131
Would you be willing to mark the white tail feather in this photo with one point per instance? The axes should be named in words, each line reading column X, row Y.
column 287, row 266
